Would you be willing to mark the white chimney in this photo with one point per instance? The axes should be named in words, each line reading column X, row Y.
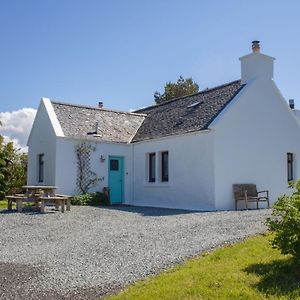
column 256, row 65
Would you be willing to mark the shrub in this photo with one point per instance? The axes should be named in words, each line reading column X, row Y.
column 90, row 199
column 99, row 199
column 82, row 199
column 285, row 222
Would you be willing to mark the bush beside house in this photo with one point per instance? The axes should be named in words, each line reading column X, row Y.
column 93, row 199
column 285, row 222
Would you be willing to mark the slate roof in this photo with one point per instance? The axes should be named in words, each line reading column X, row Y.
column 77, row 121
column 178, row 116
column 186, row 114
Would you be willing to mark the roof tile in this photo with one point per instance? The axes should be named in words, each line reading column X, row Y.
column 183, row 115
column 80, row 122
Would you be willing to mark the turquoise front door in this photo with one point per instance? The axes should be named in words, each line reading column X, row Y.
column 116, row 179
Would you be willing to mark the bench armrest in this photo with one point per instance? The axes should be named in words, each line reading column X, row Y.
column 266, row 191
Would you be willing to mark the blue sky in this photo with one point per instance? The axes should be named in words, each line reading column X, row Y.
column 120, row 52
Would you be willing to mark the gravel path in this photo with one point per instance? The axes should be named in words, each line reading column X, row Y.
column 90, row 251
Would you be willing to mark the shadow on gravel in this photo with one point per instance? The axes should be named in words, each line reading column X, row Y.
column 150, row 211
column 7, row 212
column 27, row 211
column 20, row 281
column 280, row 278
column 14, row 279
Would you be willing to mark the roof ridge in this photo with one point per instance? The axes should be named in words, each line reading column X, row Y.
column 194, row 94
column 97, row 108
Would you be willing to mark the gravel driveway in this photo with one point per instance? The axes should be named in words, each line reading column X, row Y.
column 90, row 251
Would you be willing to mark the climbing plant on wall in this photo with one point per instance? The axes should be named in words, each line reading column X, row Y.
column 85, row 177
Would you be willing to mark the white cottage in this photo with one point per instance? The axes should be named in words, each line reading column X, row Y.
column 185, row 153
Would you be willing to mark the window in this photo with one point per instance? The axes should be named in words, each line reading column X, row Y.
column 151, row 167
column 114, row 165
column 290, row 170
column 41, row 167
column 165, row 166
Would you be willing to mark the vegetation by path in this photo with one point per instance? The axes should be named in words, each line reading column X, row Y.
column 3, row 204
column 247, row 270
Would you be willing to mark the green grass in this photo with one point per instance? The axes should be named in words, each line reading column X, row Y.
column 247, row 270
column 3, row 204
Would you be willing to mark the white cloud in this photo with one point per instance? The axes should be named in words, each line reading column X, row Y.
column 16, row 126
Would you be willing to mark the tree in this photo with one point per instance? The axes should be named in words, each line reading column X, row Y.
column 182, row 87
column 13, row 168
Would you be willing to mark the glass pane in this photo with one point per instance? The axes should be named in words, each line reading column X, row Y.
column 164, row 166
column 114, row 165
column 290, row 172
column 41, row 167
column 152, row 167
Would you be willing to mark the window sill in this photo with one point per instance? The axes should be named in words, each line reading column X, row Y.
column 157, row 184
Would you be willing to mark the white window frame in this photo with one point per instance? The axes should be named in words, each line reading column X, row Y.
column 158, row 169
column 150, row 179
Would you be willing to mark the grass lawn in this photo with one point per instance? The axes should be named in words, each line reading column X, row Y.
column 3, row 204
column 247, row 270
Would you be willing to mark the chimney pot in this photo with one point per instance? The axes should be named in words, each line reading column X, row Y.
column 292, row 103
column 100, row 104
column 255, row 46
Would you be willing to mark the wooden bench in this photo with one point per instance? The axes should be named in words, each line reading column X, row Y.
column 19, row 199
column 68, row 201
column 58, row 200
column 248, row 193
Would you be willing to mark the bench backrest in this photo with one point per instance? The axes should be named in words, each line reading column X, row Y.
column 239, row 190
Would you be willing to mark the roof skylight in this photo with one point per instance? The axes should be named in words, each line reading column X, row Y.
column 194, row 104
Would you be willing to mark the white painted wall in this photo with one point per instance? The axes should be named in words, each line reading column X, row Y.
column 42, row 139
column 252, row 138
column 297, row 113
column 191, row 178
column 66, row 165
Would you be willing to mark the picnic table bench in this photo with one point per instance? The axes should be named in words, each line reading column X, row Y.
column 19, row 202
column 40, row 195
column 58, row 200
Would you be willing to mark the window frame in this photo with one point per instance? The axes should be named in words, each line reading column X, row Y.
column 114, row 165
column 164, row 173
column 290, row 166
column 151, row 167
column 41, row 167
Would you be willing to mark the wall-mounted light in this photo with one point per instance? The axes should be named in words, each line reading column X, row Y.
column 102, row 158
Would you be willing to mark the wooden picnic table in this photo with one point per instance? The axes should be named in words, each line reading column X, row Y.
column 45, row 190
column 40, row 194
